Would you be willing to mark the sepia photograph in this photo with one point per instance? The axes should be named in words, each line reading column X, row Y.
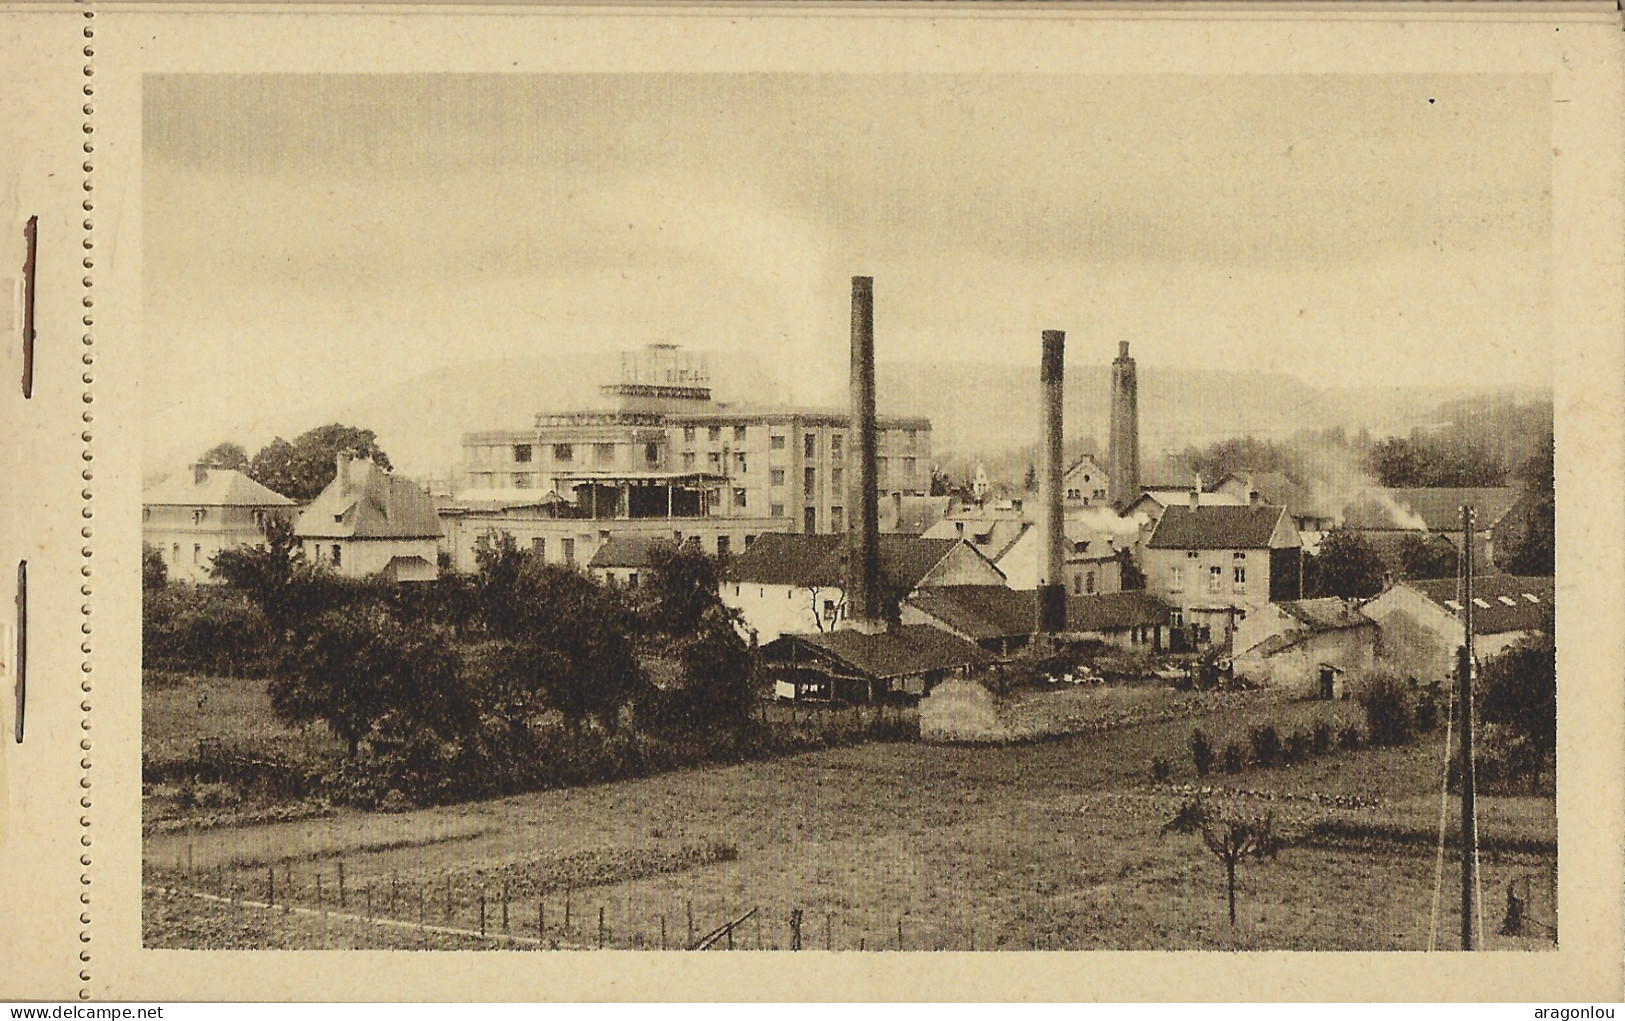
column 848, row 512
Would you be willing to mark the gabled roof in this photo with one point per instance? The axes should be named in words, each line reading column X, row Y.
column 622, row 551
column 1327, row 614
column 1437, row 509
column 220, row 487
column 991, row 536
column 1507, row 602
column 1170, row 497
column 1084, row 462
column 1282, row 490
column 897, row 652
column 979, row 611
column 367, row 502
column 1114, row 611
column 1216, row 527
column 790, row 558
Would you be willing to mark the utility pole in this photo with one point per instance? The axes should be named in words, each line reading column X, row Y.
column 1464, row 684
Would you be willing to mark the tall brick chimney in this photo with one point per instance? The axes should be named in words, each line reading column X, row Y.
column 1125, row 430
column 1051, row 531
column 863, row 536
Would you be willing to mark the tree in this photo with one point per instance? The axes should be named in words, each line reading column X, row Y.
column 496, row 586
column 1029, row 481
column 1347, row 566
column 302, row 469
column 1133, row 579
column 225, row 456
column 154, row 572
column 1420, row 557
column 1232, row 839
column 1518, row 689
column 680, row 587
column 1530, row 542
column 266, row 571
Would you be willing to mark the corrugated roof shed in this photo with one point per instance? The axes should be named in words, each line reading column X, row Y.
column 1114, row 611
column 898, row 652
column 219, row 487
column 1506, row 602
column 370, row 503
column 1216, row 527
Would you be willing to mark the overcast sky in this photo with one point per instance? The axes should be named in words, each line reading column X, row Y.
column 311, row 237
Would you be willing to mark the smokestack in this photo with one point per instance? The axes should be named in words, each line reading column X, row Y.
column 200, row 473
column 1125, row 430
column 1052, row 555
column 863, row 558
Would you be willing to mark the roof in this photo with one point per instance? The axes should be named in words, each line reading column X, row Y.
column 1282, row 490
column 1504, row 602
column 1436, row 509
column 221, row 487
column 992, row 536
column 897, row 652
column 1169, row 497
column 979, row 611
column 585, row 476
column 622, row 551
column 790, row 558
column 1114, row 611
column 367, row 502
column 1216, row 527
column 1327, row 614
column 501, row 499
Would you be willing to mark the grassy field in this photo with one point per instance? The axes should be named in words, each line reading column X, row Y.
column 1050, row 845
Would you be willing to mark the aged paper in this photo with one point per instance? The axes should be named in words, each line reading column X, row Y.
column 589, row 277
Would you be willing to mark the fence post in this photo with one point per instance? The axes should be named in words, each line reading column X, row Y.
column 505, row 906
column 321, row 907
column 567, row 910
column 423, row 934
column 690, row 943
column 541, row 918
column 234, row 909
column 395, row 888
column 448, row 898
column 220, row 879
column 270, row 886
column 899, row 932
column 829, row 930
column 341, row 883
column 600, row 927
column 369, row 902
column 662, row 932
column 795, row 929
column 730, row 935
column 482, row 913
column 758, row 928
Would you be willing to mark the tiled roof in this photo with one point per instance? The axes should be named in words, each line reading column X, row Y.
column 370, row 503
column 979, row 611
column 898, row 652
column 622, row 551
column 221, row 487
column 1439, row 509
column 1505, row 602
column 788, row 558
column 1216, row 527
column 1328, row 614
column 992, row 536
column 1114, row 611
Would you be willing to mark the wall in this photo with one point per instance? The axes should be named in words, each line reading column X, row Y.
column 362, row 558
column 774, row 610
column 1193, row 591
column 168, row 527
column 962, row 566
column 1297, row 668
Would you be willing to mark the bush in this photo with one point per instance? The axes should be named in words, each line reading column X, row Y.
column 1266, row 745
column 1297, row 746
column 1348, row 738
column 1234, row 758
column 1387, row 711
column 1201, row 752
column 1427, row 713
column 206, row 629
column 1159, row 768
column 1320, row 738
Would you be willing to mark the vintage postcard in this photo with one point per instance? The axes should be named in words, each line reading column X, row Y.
column 942, row 502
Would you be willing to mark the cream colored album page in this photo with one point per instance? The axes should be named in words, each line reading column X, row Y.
column 898, row 502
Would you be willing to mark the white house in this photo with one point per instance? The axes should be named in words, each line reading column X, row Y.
column 368, row 522
column 189, row 518
column 1292, row 644
column 1420, row 622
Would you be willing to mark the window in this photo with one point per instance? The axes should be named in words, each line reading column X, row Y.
column 748, row 540
column 809, row 519
column 775, row 510
column 740, row 463
column 1176, row 580
column 175, row 554
column 146, row 514
column 837, row 519
column 714, row 432
column 538, row 546
column 912, row 438
column 688, row 434
column 809, row 445
column 688, row 460
column 1240, row 578
column 1077, row 584
column 714, row 459
column 880, row 471
column 1089, row 583
column 603, row 453
column 1073, row 494
column 522, row 480
column 835, row 477
column 632, row 579
column 651, row 453
column 338, row 555
column 909, row 466
column 835, row 444
column 776, row 476
column 197, row 553
column 830, row 609
column 739, row 434
column 809, row 481
column 739, row 497
column 198, row 516
column 568, row 548
column 775, row 442
column 722, row 545
column 521, row 453
column 1214, row 576
column 563, row 453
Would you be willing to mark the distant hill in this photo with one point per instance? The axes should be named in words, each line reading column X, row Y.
column 978, row 411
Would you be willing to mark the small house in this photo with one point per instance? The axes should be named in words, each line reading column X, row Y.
column 370, row 522
column 1305, row 644
column 189, row 518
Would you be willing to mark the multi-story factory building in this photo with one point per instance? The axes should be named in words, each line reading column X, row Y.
column 665, row 460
